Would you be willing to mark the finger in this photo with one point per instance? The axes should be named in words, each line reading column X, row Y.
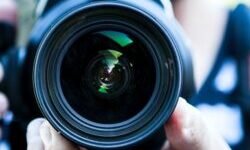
column 4, row 104
column 187, row 129
column 34, row 140
column 8, row 11
column 53, row 140
column 1, row 72
column 175, row 126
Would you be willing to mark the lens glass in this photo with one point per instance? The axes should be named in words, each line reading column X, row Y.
column 108, row 76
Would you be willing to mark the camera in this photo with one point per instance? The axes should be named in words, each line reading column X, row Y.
column 106, row 74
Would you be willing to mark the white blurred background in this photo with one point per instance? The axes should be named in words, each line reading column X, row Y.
column 27, row 15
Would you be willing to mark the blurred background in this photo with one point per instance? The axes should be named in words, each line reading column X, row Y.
column 27, row 18
column 27, row 15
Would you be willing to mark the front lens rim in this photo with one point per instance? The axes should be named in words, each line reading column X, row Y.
column 95, row 125
column 58, row 124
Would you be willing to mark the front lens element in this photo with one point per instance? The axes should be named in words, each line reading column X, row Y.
column 108, row 76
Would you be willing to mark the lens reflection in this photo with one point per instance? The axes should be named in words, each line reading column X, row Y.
column 119, row 37
column 106, row 73
column 108, row 76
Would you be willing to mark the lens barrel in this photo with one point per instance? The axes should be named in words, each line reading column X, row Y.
column 107, row 74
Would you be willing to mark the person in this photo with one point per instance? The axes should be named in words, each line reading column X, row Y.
column 204, row 24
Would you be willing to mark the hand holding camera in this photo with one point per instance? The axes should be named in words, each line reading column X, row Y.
column 186, row 128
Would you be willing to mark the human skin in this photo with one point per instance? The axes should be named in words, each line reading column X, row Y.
column 4, row 103
column 4, row 106
column 185, row 129
column 8, row 11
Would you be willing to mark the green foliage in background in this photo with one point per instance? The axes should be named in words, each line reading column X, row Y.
column 26, row 12
column 231, row 3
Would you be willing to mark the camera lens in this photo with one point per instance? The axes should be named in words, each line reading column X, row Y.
column 106, row 73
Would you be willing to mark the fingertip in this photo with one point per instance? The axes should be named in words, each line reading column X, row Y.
column 33, row 135
column 1, row 72
column 186, row 126
column 45, row 133
column 33, row 128
column 4, row 104
column 174, row 126
column 177, row 114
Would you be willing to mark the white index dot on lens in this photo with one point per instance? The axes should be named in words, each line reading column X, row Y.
column 226, row 79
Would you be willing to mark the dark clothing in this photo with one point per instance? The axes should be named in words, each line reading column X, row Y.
column 235, row 48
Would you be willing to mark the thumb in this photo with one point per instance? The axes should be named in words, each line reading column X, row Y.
column 33, row 136
column 186, row 129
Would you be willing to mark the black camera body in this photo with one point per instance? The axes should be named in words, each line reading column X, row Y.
column 106, row 74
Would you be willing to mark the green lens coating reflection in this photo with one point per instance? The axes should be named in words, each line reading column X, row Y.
column 119, row 37
column 111, row 57
column 110, row 60
column 103, row 89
